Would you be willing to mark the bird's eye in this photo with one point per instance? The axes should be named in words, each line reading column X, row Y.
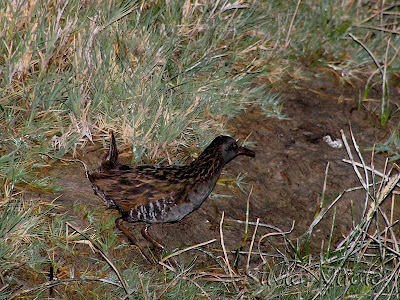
column 234, row 146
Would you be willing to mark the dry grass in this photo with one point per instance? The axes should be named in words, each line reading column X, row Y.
column 167, row 76
column 364, row 264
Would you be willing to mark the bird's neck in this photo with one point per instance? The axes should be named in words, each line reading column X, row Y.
column 207, row 165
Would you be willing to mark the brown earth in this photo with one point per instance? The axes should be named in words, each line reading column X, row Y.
column 287, row 174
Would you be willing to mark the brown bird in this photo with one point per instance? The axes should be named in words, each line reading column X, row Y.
column 161, row 193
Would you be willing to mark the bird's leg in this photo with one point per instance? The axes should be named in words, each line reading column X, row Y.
column 147, row 236
column 133, row 240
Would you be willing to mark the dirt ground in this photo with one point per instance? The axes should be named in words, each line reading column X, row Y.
column 287, row 173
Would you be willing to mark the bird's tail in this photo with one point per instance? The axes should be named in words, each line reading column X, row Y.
column 111, row 160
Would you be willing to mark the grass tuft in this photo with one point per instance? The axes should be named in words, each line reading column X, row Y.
column 166, row 75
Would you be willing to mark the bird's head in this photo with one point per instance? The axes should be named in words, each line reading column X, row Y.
column 228, row 148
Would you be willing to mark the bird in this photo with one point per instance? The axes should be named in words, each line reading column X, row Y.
column 154, row 194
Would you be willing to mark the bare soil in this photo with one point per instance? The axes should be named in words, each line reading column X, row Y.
column 287, row 174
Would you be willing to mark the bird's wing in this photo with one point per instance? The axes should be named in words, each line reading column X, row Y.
column 131, row 188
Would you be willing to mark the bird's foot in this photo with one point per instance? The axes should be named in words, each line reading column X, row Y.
column 153, row 241
column 134, row 241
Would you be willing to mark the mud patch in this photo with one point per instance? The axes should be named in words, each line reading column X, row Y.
column 287, row 174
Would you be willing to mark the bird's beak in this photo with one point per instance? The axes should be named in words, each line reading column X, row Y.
column 245, row 151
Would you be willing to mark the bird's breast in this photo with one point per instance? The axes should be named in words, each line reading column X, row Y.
column 200, row 191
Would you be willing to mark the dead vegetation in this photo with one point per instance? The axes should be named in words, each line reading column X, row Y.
column 167, row 77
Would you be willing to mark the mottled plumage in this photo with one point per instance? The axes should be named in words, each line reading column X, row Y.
column 159, row 193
